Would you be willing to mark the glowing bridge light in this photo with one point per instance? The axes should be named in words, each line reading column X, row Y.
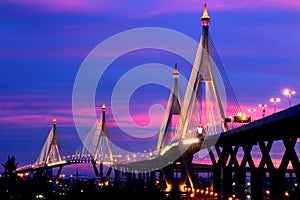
column 190, row 141
column 241, row 118
column 200, row 129
column 165, row 150
column 288, row 92
column 56, row 163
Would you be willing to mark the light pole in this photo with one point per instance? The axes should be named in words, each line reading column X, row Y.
column 275, row 101
column 288, row 92
column 251, row 110
column 263, row 108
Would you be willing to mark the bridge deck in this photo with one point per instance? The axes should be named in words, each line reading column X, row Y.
column 273, row 127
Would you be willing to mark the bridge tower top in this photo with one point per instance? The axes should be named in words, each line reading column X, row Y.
column 205, row 19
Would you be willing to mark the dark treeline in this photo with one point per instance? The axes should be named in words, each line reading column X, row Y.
column 40, row 185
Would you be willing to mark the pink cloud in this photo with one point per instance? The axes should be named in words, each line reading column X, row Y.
column 34, row 111
column 144, row 8
column 79, row 6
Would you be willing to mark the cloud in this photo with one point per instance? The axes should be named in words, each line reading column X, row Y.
column 145, row 8
column 78, row 6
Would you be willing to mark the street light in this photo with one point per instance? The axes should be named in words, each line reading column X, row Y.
column 251, row 110
column 288, row 92
column 263, row 108
column 274, row 101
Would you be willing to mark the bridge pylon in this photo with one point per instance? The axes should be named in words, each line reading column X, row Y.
column 166, row 132
column 102, row 153
column 204, row 105
column 50, row 152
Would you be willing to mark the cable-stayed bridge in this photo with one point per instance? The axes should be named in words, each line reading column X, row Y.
column 201, row 122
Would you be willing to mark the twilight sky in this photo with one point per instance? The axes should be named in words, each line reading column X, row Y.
column 44, row 43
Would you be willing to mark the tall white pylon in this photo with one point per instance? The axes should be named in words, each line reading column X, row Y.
column 50, row 152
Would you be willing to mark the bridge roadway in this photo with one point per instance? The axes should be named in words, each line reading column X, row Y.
column 277, row 126
column 168, row 155
column 274, row 127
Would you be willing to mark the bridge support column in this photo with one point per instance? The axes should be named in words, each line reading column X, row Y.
column 257, row 186
column 297, row 190
column 117, row 179
column 140, row 184
column 101, row 171
column 277, row 184
column 152, row 181
column 240, row 180
column 217, row 179
column 130, row 182
column 227, row 182
column 168, row 172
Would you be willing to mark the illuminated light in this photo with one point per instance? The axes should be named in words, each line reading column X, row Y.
column 54, row 121
column 249, row 196
column 230, row 198
column 106, row 183
column 56, row 163
column 274, row 101
column 286, row 193
column 175, row 72
column 200, row 129
column 190, row 141
column 103, row 107
column 251, row 110
column 241, row 118
column 182, row 187
column 169, row 187
column 263, row 107
column 288, row 92
column 205, row 13
column 162, row 152
column 268, row 192
column 239, row 114
column 81, row 191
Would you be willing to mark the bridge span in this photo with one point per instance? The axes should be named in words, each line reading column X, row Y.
column 207, row 86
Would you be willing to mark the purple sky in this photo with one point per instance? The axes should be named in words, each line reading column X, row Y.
column 43, row 44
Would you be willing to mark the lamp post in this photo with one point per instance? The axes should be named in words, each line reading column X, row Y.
column 263, row 108
column 251, row 110
column 275, row 101
column 288, row 92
